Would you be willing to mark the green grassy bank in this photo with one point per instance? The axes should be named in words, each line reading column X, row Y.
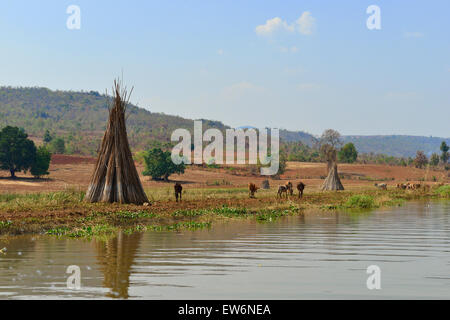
column 65, row 213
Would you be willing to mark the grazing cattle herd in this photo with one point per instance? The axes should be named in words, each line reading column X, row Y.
column 404, row 186
column 409, row 186
column 286, row 190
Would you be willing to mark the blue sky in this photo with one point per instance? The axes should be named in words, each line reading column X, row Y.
column 314, row 65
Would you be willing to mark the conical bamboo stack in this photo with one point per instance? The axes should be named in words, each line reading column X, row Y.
column 115, row 178
column 333, row 182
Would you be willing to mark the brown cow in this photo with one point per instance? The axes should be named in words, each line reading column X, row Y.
column 290, row 188
column 252, row 188
column 382, row 186
column 413, row 186
column 281, row 190
column 300, row 187
column 178, row 190
column 401, row 186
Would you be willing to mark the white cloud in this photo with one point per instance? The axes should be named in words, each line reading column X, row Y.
column 220, row 52
column 273, row 25
column 305, row 25
column 414, row 34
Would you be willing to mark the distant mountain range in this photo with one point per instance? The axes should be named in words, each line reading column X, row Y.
column 80, row 117
column 397, row 145
column 392, row 145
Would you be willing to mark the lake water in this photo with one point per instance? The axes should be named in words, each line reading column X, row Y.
column 323, row 256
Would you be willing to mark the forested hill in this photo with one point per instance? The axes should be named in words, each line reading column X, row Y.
column 80, row 118
column 292, row 136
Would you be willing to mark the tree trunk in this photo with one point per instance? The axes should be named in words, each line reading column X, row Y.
column 13, row 173
column 329, row 165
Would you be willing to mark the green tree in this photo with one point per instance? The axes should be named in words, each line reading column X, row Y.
column 159, row 164
column 444, row 149
column 403, row 162
column 348, row 153
column 434, row 159
column 282, row 164
column 410, row 161
column 41, row 163
column 47, row 137
column 17, row 152
column 421, row 160
column 58, row 146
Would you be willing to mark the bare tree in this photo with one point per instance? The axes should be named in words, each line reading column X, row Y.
column 421, row 160
column 331, row 137
column 328, row 144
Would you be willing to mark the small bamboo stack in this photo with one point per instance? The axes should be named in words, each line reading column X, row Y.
column 332, row 182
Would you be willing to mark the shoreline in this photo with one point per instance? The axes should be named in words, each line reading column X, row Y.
column 65, row 213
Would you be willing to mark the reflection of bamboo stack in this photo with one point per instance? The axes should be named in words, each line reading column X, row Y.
column 115, row 178
column 116, row 258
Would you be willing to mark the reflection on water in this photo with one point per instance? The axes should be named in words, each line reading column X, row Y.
column 116, row 257
column 314, row 256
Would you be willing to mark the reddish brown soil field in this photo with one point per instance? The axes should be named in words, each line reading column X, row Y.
column 58, row 159
column 73, row 172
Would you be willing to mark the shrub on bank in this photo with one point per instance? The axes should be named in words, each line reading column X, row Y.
column 443, row 191
column 360, row 202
